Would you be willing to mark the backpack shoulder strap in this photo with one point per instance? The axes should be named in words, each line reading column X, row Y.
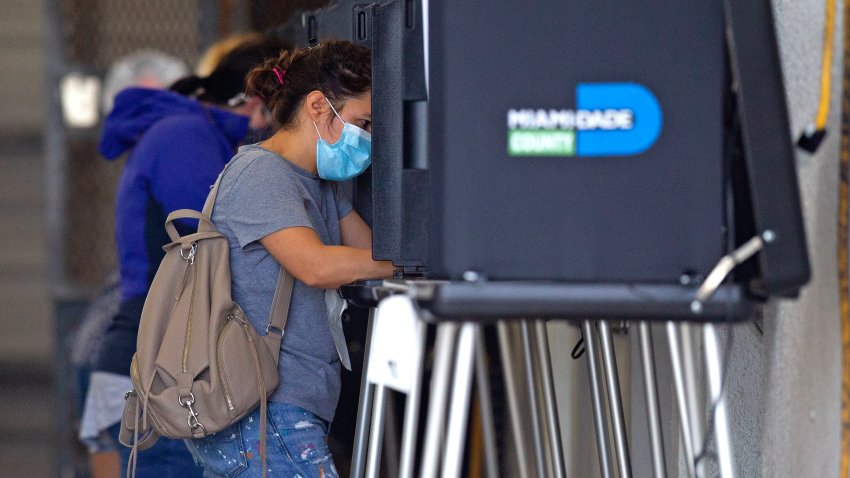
column 204, row 223
column 279, row 312
column 209, row 204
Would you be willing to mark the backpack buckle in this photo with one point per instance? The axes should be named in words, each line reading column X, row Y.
column 194, row 424
column 270, row 329
column 190, row 256
column 188, row 402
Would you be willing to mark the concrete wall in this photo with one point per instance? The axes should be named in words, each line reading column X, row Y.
column 784, row 384
column 21, row 67
column 27, row 424
column 24, row 299
column 802, row 340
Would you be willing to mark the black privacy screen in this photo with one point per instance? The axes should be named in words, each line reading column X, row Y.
column 578, row 141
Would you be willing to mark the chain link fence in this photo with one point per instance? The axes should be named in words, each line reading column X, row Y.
column 93, row 35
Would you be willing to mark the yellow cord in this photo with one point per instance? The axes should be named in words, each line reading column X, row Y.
column 826, row 65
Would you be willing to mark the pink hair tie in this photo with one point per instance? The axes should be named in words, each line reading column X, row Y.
column 279, row 75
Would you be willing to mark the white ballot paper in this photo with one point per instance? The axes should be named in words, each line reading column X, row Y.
column 395, row 349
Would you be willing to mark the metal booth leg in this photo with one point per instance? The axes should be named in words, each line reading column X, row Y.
column 400, row 369
column 714, row 370
column 694, row 398
column 364, row 409
column 652, row 411
column 506, row 355
column 482, row 376
column 549, row 399
column 373, row 462
column 615, row 403
column 594, row 373
column 459, row 404
column 390, row 444
column 681, row 395
column 528, row 362
column 411, row 411
column 443, row 351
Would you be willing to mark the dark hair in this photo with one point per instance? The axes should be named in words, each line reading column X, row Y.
column 228, row 78
column 339, row 69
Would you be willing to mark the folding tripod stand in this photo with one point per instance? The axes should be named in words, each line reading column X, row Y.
column 395, row 355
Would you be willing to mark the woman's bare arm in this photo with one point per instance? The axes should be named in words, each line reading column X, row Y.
column 303, row 254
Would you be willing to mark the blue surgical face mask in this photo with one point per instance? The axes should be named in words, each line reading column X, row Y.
column 346, row 158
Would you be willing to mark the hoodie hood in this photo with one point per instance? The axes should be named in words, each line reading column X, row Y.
column 137, row 109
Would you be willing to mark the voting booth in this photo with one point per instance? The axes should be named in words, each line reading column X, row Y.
column 567, row 160
column 572, row 144
column 591, row 146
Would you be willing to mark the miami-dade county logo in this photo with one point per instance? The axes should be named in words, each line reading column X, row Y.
column 610, row 119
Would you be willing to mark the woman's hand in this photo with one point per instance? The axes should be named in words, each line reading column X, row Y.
column 301, row 251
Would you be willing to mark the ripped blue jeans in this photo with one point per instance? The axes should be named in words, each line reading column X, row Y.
column 296, row 446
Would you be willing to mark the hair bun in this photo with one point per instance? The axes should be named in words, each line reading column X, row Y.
column 339, row 69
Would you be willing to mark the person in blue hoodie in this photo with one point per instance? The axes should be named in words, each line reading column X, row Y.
column 178, row 141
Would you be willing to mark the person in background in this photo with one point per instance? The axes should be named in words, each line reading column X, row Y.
column 280, row 204
column 178, row 141
column 218, row 50
column 143, row 68
column 150, row 69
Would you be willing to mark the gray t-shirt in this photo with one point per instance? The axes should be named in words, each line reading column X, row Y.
column 262, row 193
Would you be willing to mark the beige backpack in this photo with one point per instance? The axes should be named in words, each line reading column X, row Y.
column 199, row 365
